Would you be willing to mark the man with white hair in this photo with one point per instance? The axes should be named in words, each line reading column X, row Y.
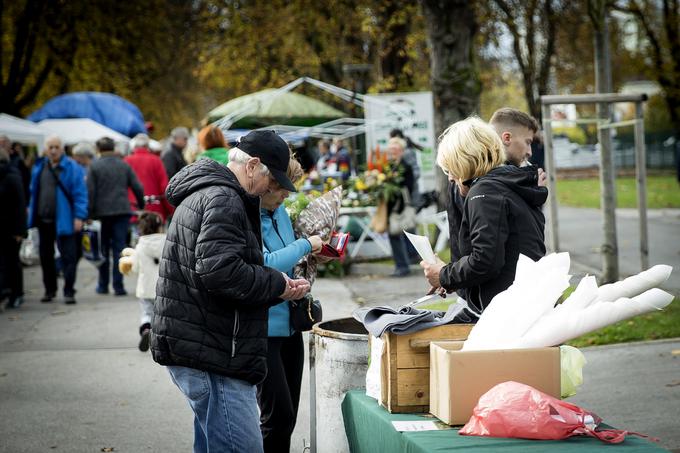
column 58, row 207
column 210, row 315
column 150, row 171
column 84, row 153
column 173, row 157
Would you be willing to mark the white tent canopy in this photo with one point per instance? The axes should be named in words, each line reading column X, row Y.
column 22, row 131
column 75, row 130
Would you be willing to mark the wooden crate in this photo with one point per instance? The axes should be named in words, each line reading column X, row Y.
column 405, row 367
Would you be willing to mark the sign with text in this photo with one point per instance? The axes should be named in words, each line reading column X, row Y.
column 413, row 113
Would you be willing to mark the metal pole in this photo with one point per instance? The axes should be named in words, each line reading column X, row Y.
column 553, row 236
column 641, row 174
column 312, row 394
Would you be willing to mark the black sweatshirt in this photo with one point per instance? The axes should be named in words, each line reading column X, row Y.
column 501, row 218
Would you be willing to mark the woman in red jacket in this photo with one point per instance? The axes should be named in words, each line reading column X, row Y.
column 151, row 173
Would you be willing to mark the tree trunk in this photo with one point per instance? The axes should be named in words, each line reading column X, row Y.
column 456, row 88
column 603, row 84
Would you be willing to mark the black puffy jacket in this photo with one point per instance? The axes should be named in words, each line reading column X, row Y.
column 213, row 291
column 501, row 218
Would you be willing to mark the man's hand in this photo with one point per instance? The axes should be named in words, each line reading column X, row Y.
column 77, row 225
column 295, row 289
column 18, row 239
column 431, row 272
column 542, row 178
column 316, row 243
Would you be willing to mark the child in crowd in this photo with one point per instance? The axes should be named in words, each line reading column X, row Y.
column 143, row 260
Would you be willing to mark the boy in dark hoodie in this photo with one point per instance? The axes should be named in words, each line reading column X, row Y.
column 501, row 215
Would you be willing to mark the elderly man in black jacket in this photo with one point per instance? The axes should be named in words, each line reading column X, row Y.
column 213, row 293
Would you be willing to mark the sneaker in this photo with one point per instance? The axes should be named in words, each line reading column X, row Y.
column 144, row 341
column 121, row 292
column 101, row 290
column 48, row 297
column 399, row 274
column 70, row 300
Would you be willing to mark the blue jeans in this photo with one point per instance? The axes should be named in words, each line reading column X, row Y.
column 226, row 417
column 113, row 236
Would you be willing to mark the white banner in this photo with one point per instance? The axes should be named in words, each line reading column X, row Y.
column 413, row 113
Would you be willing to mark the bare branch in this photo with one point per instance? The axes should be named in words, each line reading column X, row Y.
column 37, row 85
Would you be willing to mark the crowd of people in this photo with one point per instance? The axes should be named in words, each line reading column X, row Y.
column 214, row 290
column 59, row 196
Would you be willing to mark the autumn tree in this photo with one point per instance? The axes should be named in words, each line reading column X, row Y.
column 532, row 25
column 451, row 28
column 659, row 25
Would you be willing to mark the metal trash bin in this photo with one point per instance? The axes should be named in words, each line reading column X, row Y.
column 338, row 360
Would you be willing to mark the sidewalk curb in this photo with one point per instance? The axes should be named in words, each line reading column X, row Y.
column 631, row 343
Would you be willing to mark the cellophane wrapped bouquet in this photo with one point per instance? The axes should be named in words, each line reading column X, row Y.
column 314, row 216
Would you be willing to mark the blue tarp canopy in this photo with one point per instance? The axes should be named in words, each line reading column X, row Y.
column 105, row 108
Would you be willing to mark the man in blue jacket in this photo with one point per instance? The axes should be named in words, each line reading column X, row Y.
column 57, row 208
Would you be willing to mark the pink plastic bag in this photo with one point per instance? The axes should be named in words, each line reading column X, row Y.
column 512, row 409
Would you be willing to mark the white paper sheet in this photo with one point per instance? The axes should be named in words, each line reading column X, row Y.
column 422, row 246
column 420, row 425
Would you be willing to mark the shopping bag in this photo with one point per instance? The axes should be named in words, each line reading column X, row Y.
column 379, row 220
column 29, row 251
column 91, row 243
column 404, row 218
column 511, row 409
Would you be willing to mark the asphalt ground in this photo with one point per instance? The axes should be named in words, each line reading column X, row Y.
column 73, row 380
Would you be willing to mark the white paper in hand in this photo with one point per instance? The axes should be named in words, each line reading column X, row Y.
column 422, row 246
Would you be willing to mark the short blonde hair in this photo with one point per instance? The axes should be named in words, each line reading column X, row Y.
column 294, row 171
column 469, row 149
column 398, row 142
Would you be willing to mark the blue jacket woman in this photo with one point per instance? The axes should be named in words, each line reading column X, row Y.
column 279, row 394
column 281, row 251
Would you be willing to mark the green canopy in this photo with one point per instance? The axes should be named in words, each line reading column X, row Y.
column 266, row 109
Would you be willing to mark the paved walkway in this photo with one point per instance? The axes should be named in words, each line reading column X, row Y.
column 72, row 379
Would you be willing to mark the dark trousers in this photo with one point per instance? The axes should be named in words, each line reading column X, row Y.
column 12, row 274
column 279, row 394
column 113, row 237
column 68, row 250
column 401, row 252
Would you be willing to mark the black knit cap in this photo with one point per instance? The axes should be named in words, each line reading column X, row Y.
column 272, row 151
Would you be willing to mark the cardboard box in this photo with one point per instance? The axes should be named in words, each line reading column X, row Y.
column 459, row 378
column 405, row 367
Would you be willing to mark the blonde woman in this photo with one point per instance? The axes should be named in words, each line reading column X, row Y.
column 501, row 215
column 279, row 394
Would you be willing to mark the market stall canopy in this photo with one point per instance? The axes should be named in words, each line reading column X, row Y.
column 22, row 131
column 75, row 130
column 105, row 108
column 271, row 106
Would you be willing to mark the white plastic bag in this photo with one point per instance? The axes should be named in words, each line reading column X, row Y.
column 29, row 251
column 373, row 386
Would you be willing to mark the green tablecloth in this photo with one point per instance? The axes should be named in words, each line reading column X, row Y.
column 369, row 430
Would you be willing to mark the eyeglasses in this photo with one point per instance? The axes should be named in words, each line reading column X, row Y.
column 54, row 147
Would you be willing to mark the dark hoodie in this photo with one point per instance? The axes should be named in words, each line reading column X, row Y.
column 501, row 218
column 213, row 290
column 14, row 202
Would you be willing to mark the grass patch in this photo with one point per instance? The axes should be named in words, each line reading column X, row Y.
column 662, row 192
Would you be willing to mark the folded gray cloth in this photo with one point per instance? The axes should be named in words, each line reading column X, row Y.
column 404, row 320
